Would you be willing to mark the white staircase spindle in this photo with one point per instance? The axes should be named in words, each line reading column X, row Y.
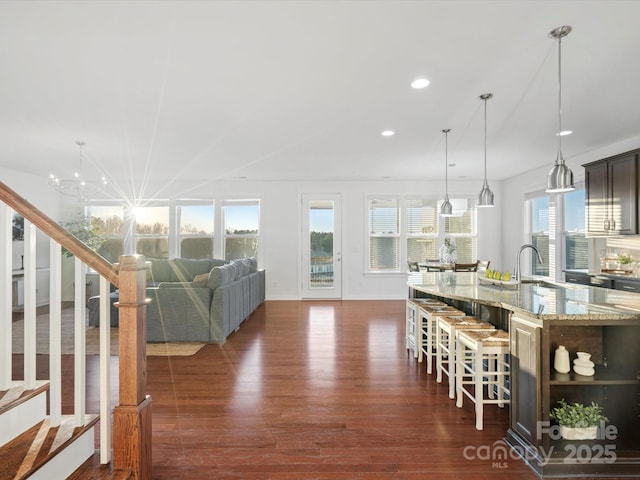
column 55, row 332
column 105, row 371
column 6, row 286
column 80, row 344
column 29, row 305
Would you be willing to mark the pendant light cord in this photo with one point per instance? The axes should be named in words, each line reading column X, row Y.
column 485, row 141
column 559, row 158
column 446, row 164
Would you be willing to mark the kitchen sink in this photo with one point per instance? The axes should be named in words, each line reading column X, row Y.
column 542, row 283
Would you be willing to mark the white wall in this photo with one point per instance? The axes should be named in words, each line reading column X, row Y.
column 281, row 226
column 280, row 252
column 30, row 187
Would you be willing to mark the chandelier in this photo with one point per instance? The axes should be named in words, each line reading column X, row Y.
column 78, row 186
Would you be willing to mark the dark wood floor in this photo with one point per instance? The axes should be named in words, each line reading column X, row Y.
column 316, row 390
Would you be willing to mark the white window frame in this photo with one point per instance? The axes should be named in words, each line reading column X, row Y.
column 407, row 236
column 563, row 233
column 176, row 230
column 526, row 263
column 403, row 235
column 221, row 230
column 471, row 206
column 399, row 235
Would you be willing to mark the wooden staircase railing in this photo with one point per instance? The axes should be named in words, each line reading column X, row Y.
column 132, row 416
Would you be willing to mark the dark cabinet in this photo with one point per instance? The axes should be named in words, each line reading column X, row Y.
column 524, row 339
column 577, row 277
column 613, row 345
column 612, row 195
column 627, row 285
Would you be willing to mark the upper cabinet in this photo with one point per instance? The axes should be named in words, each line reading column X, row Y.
column 612, row 195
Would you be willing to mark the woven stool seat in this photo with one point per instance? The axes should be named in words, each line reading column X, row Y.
column 412, row 328
column 427, row 319
column 445, row 336
column 496, row 338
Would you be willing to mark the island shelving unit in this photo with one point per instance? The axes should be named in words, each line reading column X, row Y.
column 540, row 316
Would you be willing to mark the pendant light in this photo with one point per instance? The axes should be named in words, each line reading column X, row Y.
column 485, row 198
column 446, row 209
column 560, row 178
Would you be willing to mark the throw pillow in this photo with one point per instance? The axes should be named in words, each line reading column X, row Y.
column 201, row 280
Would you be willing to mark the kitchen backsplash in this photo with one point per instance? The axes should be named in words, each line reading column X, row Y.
column 628, row 245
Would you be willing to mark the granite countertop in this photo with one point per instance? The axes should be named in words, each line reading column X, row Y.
column 545, row 301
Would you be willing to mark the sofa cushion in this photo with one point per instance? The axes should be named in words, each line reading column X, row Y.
column 222, row 275
column 246, row 267
column 236, row 272
column 242, row 266
column 185, row 269
column 253, row 264
column 217, row 262
column 160, row 271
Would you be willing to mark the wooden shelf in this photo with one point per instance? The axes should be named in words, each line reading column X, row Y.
column 603, row 376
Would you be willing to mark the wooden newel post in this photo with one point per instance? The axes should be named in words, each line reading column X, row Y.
column 132, row 417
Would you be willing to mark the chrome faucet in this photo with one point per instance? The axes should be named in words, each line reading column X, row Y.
column 526, row 245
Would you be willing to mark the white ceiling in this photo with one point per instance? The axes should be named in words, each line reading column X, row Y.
column 173, row 96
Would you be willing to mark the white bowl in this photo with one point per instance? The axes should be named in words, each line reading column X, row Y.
column 585, row 371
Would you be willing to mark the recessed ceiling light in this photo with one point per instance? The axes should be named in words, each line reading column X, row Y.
column 420, row 83
column 563, row 133
column 452, row 164
column 388, row 133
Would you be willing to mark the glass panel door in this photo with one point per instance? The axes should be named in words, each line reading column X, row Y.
column 321, row 257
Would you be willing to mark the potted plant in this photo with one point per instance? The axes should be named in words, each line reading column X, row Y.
column 625, row 261
column 578, row 421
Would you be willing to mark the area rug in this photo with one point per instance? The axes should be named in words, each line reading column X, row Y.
column 178, row 349
column 92, row 339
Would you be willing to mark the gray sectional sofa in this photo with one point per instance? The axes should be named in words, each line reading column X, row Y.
column 201, row 300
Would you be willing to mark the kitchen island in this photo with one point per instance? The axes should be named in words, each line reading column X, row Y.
column 540, row 316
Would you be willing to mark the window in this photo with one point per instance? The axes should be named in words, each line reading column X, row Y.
column 152, row 231
column 462, row 231
column 107, row 222
column 384, row 234
column 195, row 234
column 575, row 242
column 422, row 229
column 241, row 228
column 539, row 229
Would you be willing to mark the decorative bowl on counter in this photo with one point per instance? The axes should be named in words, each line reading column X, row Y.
column 482, row 280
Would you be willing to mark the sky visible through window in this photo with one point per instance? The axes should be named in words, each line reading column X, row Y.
column 321, row 220
column 241, row 217
column 200, row 217
column 574, row 210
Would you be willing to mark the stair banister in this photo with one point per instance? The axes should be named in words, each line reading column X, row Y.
column 5, row 296
column 132, row 417
column 59, row 234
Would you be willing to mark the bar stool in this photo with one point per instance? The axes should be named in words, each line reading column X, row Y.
column 411, row 327
column 446, row 329
column 427, row 319
column 482, row 359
